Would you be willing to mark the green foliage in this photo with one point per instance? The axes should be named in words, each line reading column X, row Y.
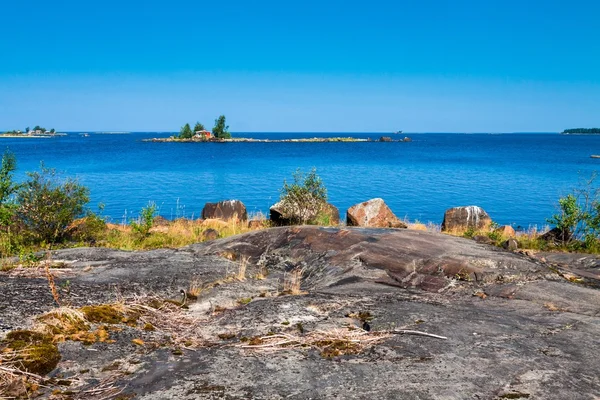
column 304, row 199
column 48, row 205
column 7, row 188
column 578, row 217
column 186, row 132
column 144, row 223
column 198, row 127
column 220, row 129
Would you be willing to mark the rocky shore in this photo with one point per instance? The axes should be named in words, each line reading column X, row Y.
column 173, row 139
column 313, row 313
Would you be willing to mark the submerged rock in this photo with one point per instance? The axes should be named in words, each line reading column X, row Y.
column 463, row 218
column 373, row 213
column 225, row 210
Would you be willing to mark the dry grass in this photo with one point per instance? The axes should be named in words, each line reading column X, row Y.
column 50, row 279
column 330, row 343
column 242, row 265
column 174, row 234
column 292, row 282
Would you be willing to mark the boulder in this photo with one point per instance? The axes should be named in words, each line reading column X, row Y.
column 278, row 217
column 483, row 239
column 506, row 231
column 557, row 236
column 463, row 218
column 385, row 139
column 407, row 139
column 210, row 234
column 373, row 213
column 225, row 210
column 511, row 244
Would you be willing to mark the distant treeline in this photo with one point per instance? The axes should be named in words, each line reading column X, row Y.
column 582, row 130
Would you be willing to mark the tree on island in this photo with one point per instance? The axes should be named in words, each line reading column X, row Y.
column 27, row 130
column 198, row 127
column 186, row 132
column 221, row 130
column 52, row 130
column 583, row 130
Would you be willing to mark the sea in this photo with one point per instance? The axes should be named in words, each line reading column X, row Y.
column 516, row 177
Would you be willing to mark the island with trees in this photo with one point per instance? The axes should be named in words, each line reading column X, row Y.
column 36, row 132
column 581, row 131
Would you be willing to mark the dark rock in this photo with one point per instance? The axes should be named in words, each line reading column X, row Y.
column 225, row 210
column 483, row 239
column 510, row 244
column 210, row 234
column 462, row 218
column 557, row 236
column 373, row 213
column 385, row 139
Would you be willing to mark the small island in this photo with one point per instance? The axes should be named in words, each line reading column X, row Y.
column 220, row 134
column 37, row 132
column 581, row 131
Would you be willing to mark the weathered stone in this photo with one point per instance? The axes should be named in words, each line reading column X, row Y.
column 279, row 218
column 483, row 239
column 545, row 326
column 510, row 244
column 257, row 223
column 506, row 231
column 557, row 236
column 210, row 234
column 407, row 139
column 385, row 139
column 225, row 210
column 463, row 218
column 373, row 213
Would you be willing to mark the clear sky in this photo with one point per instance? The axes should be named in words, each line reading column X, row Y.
column 329, row 66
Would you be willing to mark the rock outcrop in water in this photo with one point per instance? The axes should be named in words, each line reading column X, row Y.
column 516, row 326
column 463, row 218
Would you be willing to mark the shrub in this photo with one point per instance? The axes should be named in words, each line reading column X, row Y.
column 47, row 205
column 305, row 199
column 7, row 188
column 146, row 219
column 578, row 218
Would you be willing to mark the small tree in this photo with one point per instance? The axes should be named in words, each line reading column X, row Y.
column 52, row 130
column 303, row 200
column 221, row 130
column 198, row 127
column 145, row 221
column 48, row 205
column 186, row 132
column 7, row 188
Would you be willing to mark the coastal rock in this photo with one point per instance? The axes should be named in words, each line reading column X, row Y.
column 462, row 218
column 545, row 326
column 510, row 244
column 373, row 213
column 506, row 231
column 557, row 236
column 407, row 139
column 385, row 139
column 210, row 234
column 225, row 210
column 483, row 239
column 330, row 216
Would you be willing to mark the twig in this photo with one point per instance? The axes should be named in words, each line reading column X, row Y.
column 418, row 333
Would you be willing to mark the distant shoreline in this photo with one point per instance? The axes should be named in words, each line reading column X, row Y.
column 298, row 140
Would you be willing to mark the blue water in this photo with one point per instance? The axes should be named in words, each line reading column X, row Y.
column 516, row 178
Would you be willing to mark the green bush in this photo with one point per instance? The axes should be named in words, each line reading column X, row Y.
column 47, row 205
column 7, row 189
column 304, row 200
column 578, row 218
column 146, row 219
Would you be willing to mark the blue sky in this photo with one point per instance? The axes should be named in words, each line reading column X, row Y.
column 330, row 66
